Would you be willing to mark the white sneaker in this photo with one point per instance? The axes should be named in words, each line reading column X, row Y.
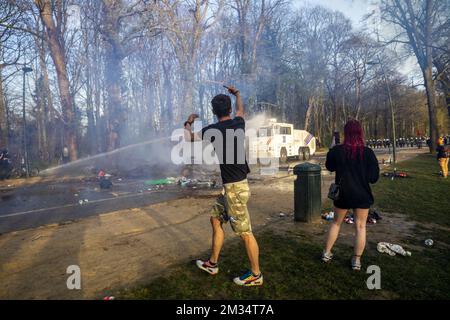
column 327, row 257
column 206, row 266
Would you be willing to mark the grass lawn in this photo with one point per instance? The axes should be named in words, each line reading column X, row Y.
column 291, row 265
column 424, row 197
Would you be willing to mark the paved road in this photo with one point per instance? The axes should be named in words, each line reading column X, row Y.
column 40, row 204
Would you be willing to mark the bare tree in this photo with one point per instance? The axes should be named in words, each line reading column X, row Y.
column 9, row 56
column 419, row 24
column 53, row 17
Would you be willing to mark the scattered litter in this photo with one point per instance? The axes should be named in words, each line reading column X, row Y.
column 105, row 183
column 101, row 174
column 104, row 180
column 194, row 183
column 37, row 237
column 374, row 215
column 349, row 219
column 429, row 242
column 282, row 215
column 395, row 174
column 86, row 200
column 76, row 194
column 328, row 216
column 392, row 249
column 81, row 202
column 120, row 179
column 372, row 218
column 107, row 298
column 159, row 182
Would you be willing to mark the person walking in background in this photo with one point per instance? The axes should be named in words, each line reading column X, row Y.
column 65, row 155
column 443, row 157
column 356, row 167
column 336, row 139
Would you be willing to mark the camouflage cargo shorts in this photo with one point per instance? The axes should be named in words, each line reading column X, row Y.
column 231, row 206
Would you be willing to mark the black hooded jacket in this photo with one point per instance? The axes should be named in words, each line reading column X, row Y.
column 354, row 176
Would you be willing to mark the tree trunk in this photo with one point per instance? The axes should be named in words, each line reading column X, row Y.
column 113, row 73
column 428, row 77
column 50, row 115
column 41, row 120
column 92, row 137
column 358, row 98
column 55, row 40
column 42, row 105
column 3, row 117
column 308, row 113
column 431, row 100
column 447, row 99
column 168, row 107
column 116, row 116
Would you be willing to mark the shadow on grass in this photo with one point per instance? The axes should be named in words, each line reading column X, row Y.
column 291, row 262
column 292, row 270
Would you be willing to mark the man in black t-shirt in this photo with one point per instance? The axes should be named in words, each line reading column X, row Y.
column 228, row 138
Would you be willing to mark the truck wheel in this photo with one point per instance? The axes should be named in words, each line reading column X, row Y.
column 300, row 153
column 306, row 154
column 283, row 155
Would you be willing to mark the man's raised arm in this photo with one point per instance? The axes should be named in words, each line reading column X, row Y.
column 239, row 105
column 188, row 134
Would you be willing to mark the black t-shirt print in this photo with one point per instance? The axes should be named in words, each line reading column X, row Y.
column 229, row 148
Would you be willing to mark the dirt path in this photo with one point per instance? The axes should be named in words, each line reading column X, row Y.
column 120, row 248
column 128, row 247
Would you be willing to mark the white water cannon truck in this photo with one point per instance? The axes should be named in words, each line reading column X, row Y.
column 280, row 140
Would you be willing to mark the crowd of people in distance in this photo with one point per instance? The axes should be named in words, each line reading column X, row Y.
column 411, row 142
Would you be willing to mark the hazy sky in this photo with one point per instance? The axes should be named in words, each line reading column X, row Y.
column 354, row 9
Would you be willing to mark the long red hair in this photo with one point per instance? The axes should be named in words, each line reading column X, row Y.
column 353, row 139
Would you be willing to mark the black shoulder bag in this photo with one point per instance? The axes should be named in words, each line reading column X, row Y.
column 335, row 188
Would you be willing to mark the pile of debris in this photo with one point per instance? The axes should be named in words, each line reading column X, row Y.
column 392, row 249
column 328, row 216
column 395, row 174
column 104, row 179
column 372, row 218
column 196, row 183
column 182, row 181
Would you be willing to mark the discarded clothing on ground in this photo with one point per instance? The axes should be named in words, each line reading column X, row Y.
column 392, row 249
column 372, row 218
column 105, row 183
column 160, row 182
column 104, row 180
column 194, row 183
column 395, row 174
column 328, row 215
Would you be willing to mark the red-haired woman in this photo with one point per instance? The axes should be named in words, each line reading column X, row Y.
column 356, row 167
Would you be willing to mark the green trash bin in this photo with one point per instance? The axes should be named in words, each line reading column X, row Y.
column 307, row 192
